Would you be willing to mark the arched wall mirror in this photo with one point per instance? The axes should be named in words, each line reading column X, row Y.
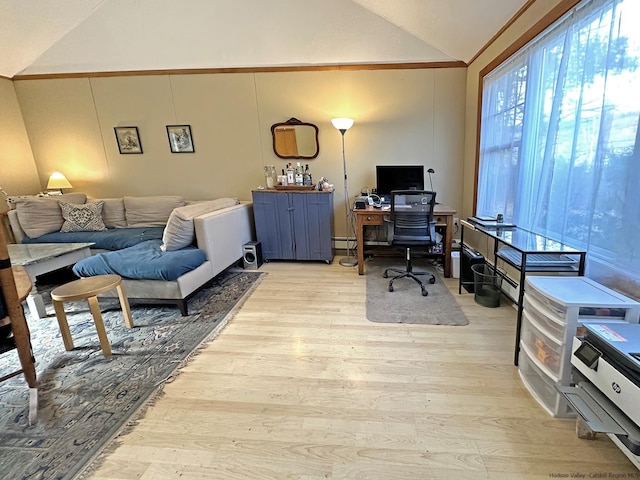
column 295, row 139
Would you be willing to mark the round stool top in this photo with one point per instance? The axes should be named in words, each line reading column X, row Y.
column 85, row 287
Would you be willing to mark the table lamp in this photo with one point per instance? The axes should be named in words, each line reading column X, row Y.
column 58, row 181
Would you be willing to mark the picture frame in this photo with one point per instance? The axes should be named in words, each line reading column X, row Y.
column 128, row 139
column 180, row 139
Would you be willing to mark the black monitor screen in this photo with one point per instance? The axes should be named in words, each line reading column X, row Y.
column 398, row 177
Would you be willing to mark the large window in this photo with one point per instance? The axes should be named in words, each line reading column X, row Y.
column 559, row 141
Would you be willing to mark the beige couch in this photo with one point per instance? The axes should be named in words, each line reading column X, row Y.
column 220, row 228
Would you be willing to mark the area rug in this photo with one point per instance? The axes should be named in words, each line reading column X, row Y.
column 406, row 303
column 85, row 399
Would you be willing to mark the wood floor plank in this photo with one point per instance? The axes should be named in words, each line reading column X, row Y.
column 300, row 385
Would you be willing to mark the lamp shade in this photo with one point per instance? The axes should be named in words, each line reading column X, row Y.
column 342, row 123
column 58, row 181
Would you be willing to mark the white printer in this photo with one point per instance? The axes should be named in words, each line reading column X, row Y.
column 606, row 362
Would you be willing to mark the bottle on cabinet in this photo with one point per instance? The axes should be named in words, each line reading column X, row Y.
column 282, row 179
column 299, row 175
column 307, row 180
column 270, row 177
column 291, row 174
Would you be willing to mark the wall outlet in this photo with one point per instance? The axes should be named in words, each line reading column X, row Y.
column 456, row 222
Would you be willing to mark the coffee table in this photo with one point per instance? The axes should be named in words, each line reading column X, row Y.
column 41, row 258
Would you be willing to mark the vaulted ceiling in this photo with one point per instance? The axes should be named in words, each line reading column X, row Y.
column 80, row 36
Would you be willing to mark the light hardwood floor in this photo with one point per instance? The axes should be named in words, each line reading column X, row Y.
column 300, row 385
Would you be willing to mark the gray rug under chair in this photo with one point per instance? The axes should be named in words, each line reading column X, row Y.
column 85, row 399
column 406, row 304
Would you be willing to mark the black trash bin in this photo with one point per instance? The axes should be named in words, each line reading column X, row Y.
column 487, row 285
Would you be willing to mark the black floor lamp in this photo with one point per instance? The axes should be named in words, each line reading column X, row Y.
column 342, row 125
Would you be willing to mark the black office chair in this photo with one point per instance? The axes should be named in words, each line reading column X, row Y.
column 413, row 227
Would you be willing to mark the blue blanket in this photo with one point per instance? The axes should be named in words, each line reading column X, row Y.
column 142, row 261
column 111, row 239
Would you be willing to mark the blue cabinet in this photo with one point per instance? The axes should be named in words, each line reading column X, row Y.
column 294, row 225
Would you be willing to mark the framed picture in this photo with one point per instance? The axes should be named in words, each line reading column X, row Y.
column 180, row 139
column 128, row 139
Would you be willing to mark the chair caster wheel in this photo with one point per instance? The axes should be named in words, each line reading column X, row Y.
column 424, row 293
column 432, row 280
column 391, row 288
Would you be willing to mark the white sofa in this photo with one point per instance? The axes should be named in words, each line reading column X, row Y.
column 220, row 234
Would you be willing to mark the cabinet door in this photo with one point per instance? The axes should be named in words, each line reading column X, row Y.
column 274, row 229
column 312, row 214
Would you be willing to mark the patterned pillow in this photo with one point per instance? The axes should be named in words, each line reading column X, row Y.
column 82, row 218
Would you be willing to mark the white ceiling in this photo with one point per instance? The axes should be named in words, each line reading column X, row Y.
column 79, row 36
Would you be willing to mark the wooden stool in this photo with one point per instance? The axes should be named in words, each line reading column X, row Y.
column 89, row 288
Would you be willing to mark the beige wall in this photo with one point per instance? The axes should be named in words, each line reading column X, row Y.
column 401, row 117
column 17, row 167
column 532, row 15
column 426, row 116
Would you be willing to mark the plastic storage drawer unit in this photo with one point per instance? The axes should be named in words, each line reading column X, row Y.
column 552, row 324
column 554, row 308
column 548, row 351
column 542, row 388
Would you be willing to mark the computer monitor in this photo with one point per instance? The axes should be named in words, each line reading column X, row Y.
column 398, row 177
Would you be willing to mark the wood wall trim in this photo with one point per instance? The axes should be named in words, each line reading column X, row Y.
column 201, row 71
column 546, row 21
column 554, row 15
column 477, row 156
column 511, row 21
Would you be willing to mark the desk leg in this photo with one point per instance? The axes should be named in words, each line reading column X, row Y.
column 360, row 245
column 448, row 236
column 461, row 253
column 523, row 274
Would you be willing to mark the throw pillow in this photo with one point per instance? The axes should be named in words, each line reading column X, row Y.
column 82, row 218
column 112, row 212
column 150, row 211
column 179, row 232
column 39, row 216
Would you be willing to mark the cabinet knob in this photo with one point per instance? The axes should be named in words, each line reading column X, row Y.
column 369, row 219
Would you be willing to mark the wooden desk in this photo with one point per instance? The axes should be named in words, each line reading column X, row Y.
column 527, row 246
column 369, row 215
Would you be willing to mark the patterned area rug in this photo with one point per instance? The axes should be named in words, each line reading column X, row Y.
column 85, row 399
column 406, row 303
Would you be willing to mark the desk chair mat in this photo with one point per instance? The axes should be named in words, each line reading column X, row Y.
column 406, row 303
